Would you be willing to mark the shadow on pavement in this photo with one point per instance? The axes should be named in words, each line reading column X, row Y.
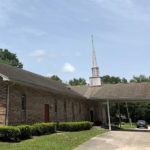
column 133, row 130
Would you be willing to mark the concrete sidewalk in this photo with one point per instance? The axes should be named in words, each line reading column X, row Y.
column 119, row 140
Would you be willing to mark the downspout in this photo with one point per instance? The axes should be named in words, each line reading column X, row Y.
column 7, row 111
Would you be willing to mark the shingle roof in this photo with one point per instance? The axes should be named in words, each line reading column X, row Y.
column 23, row 76
column 130, row 91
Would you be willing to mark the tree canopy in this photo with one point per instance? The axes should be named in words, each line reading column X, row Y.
column 113, row 80
column 56, row 78
column 140, row 78
column 9, row 58
column 80, row 81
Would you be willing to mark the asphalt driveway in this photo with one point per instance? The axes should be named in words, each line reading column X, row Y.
column 119, row 140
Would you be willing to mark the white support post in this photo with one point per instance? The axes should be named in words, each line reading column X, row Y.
column 108, row 112
column 119, row 114
column 130, row 121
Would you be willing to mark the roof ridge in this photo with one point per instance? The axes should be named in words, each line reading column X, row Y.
column 42, row 76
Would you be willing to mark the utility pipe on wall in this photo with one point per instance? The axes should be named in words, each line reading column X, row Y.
column 7, row 111
column 8, row 99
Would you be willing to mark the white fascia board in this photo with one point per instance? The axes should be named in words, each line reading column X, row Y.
column 5, row 78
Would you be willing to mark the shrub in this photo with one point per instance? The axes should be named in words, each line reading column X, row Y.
column 25, row 131
column 123, row 123
column 9, row 133
column 43, row 128
column 75, row 126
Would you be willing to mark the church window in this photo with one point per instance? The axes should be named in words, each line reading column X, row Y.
column 55, row 110
column 79, row 108
column 23, row 108
column 65, row 114
column 65, row 106
column 73, row 115
column 55, row 106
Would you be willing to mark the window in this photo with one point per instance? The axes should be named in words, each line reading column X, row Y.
column 55, row 110
column 73, row 115
column 80, row 115
column 46, row 109
column 65, row 114
column 79, row 108
column 55, row 106
column 23, row 108
column 65, row 107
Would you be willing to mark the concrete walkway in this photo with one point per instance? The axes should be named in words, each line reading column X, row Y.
column 119, row 140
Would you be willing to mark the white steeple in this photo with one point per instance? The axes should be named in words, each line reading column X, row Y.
column 94, row 56
column 95, row 80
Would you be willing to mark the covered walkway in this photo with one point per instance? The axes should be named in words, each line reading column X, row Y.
column 118, row 93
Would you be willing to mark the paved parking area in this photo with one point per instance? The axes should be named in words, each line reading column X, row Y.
column 136, row 139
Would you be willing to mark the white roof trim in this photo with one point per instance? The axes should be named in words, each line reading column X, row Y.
column 5, row 78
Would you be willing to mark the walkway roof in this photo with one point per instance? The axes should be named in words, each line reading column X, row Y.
column 116, row 92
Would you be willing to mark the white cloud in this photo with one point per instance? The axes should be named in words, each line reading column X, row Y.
column 32, row 31
column 37, row 53
column 127, row 2
column 68, row 68
column 124, row 9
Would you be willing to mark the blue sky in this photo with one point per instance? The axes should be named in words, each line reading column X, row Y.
column 54, row 36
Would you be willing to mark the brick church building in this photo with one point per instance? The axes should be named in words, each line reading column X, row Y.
column 27, row 98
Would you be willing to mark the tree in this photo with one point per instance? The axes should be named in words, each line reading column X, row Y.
column 56, row 78
column 141, row 78
column 124, row 80
column 79, row 81
column 113, row 80
column 9, row 58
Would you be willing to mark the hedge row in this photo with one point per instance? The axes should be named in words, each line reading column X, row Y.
column 9, row 133
column 75, row 126
column 17, row 133
column 43, row 128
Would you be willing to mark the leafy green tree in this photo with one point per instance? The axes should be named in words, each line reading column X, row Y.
column 79, row 81
column 56, row 78
column 113, row 80
column 9, row 58
column 124, row 80
column 141, row 78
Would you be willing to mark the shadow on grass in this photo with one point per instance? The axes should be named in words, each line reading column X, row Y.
column 14, row 140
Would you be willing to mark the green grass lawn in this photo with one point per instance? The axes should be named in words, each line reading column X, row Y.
column 57, row 141
column 127, row 126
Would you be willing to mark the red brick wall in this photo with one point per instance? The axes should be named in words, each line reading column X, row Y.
column 35, row 101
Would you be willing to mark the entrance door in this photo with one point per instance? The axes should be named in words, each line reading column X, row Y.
column 92, row 115
column 46, row 112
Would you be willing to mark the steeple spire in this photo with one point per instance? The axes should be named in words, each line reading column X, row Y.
column 94, row 56
column 95, row 80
